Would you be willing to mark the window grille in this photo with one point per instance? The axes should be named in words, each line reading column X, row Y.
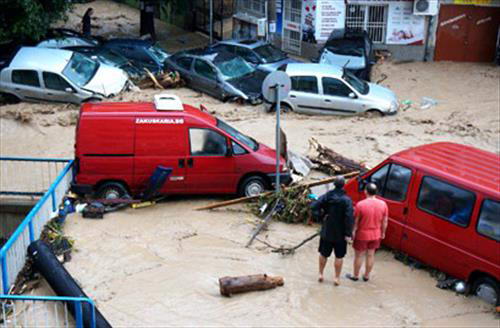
column 291, row 41
column 254, row 8
column 370, row 18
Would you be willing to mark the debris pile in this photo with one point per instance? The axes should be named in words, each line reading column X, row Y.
column 294, row 204
column 167, row 80
column 331, row 162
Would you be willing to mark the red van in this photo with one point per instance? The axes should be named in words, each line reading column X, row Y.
column 119, row 145
column 444, row 209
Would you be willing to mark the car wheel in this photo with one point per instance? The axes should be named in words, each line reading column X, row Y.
column 487, row 289
column 285, row 108
column 252, row 186
column 373, row 113
column 112, row 190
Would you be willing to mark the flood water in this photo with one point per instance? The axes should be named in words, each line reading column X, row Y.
column 159, row 266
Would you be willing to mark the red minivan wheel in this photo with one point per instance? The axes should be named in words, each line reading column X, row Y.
column 252, row 186
column 487, row 289
column 112, row 190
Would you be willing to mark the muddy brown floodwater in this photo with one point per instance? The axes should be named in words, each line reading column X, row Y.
column 159, row 266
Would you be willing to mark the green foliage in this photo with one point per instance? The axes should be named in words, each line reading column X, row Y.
column 29, row 20
column 296, row 205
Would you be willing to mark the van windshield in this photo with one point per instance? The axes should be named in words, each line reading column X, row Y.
column 246, row 140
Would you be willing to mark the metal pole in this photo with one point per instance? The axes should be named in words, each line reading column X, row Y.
column 211, row 27
column 278, row 151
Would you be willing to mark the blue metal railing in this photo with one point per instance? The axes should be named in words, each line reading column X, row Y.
column 49, row 314
column 27, row 176
column 13, row 253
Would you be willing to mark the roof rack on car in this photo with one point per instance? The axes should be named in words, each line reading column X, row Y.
column 168, row 102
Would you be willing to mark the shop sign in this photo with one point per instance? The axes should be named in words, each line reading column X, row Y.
column 402, row 26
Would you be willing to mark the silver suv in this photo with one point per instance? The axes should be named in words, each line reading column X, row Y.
column 41, row 74
column 328, row 89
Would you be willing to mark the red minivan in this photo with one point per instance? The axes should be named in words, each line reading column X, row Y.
column 119, row 146
column 444, row 209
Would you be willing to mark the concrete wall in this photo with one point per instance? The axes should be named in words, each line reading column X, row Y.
column 12, row 213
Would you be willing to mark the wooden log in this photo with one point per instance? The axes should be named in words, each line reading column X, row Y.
column 242, row 284
column 246, row 199
column 152, row 77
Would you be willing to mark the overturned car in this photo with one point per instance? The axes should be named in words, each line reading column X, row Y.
column 220, row 74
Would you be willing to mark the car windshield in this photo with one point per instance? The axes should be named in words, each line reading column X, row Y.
column 80, row 69
column 270, row 54
column 158, row 53
column 246, row 140
column 346, row 49
column 112, row 57
column 234, row 68
column 360, row 85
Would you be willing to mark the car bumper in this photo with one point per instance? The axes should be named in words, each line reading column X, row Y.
column 285, row 178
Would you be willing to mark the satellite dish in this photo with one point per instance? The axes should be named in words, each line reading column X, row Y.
column 272, row 81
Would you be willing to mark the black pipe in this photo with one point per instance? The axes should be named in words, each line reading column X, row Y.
column 62, row 283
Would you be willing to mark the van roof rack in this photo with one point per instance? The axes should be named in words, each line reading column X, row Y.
column 168, row 102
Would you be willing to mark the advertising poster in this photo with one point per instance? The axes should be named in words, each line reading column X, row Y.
column 330, row 15
column 402, row 26
column 309, row 21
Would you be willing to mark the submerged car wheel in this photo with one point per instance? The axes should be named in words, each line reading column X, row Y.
column 252, row 186
column 487, row 289
column 372, row 113
column 112, row 190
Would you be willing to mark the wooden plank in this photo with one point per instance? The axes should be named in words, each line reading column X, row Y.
column 245, row 199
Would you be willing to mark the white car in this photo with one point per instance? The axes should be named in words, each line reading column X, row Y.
column 41, row 74
column 329, row 89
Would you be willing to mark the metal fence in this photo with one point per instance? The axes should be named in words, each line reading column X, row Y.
column 21, row 176
column 370, row 18
column 13, row 253
column 44, row 311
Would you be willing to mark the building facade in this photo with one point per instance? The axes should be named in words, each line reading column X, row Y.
column 409, row 29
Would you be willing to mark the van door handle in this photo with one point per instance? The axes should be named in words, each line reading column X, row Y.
column 405, row 236
column 190, row 162
column 405, row 210
column 182, row 163
column 292, row 96
column 328, row 100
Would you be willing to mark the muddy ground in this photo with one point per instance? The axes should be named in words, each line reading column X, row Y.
column 159, row 266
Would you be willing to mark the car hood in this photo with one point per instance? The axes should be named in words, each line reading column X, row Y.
column 379, row 93
column 353, row 62
column 250, row 84
column 271, row 67
column 107, row 81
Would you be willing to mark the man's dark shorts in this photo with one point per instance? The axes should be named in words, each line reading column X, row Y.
column 326, row 247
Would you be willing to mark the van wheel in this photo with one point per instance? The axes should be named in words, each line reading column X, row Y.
column 112, row 190
column 252, row 186
column 487, row 289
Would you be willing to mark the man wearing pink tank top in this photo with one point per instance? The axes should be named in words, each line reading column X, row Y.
column 371, row 215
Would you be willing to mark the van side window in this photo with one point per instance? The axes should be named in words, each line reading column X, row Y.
column 446, row 201
column 205, row 142
column 392, row 181
column 489, row 219
column 237, row 149
column 26, row 77
column 305, row 84
column 185, row 62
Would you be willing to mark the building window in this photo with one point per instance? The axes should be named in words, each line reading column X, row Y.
column 254, row 8
column 291, row 41
column 293, row 11
column 370, row 18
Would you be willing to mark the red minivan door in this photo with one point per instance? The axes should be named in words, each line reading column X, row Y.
column 160, row 141
column 440, row 229
column 394, row 184
column 210, row 167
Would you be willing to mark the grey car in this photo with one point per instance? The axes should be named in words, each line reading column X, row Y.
column 42, row 74
column 329, row 89
column 263, row 55
column 219, row 74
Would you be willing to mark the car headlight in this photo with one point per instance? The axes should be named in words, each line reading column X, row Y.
column 394, row 106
